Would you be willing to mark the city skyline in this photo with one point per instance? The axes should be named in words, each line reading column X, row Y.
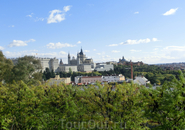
column 151, row 32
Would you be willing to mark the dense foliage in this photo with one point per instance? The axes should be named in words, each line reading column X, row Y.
column 26, row 69
column 45, row 107
column 126, row 105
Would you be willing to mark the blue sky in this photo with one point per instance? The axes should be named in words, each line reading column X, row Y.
column 151, row 31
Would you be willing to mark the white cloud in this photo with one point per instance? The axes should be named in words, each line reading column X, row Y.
column 113, row 45
column 98, row 53
column 171, row 11
column 115, row 51
column 147, row 40
column 86, row 51
column 20, row 53
column 20, row 43
column 154, row 39
column 31, row 40
column 58, row 45
column 135, row 50
column 39, row 19
column 35, row 19
column 1, row 48
column 136, row 12
column 58, row 15
column 153, row 59
column 36, row 53
column 30, row 15
column 56, row 18
column 94, row 49
column 66, row 8
column 168, row 54
column 62, row 52
column 131, row 42
column 79, row 42
column 174, row 48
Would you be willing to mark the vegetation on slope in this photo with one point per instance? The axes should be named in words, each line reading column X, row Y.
column 126, row 105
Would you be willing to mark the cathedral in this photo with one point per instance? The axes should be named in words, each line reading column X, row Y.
column 80, row 63
column 81, row 59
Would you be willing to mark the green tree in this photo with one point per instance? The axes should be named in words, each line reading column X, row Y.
column 26, row 68
column 48, row 74
column 6, row 66
column 166, row 104
column 52, row 74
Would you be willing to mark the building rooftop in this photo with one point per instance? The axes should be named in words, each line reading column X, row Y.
column 92, row 77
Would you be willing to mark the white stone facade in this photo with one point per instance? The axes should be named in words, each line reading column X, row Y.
column 120, row 77
column 51, row 63
column 104, row 67
column 93, row 79
column 65, row 68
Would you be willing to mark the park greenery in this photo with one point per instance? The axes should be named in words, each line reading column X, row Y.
column 123, row 106
column 26, row 103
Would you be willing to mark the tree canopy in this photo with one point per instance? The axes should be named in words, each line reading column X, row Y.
column 27, row 69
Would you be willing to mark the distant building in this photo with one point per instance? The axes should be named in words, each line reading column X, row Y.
column 93, row 79
column 118, row 78
column 81, row 63
column 66, row 68
column 51, row 63
column 78, row 79
column 57, row 80
column 141, row 80
column 104, row 67
column 123, row 61
column 111, row 63
column 61, row 62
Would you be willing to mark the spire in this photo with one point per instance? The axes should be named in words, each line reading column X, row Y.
column 69, row 55
column 61, row 62
column 81, row 53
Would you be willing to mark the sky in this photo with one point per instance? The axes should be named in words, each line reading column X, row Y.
column 152, row 31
